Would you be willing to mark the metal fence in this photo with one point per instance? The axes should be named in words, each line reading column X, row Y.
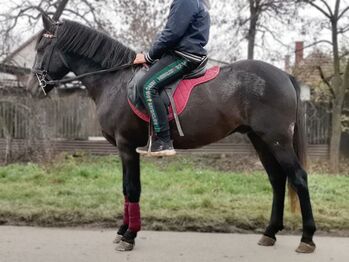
column 318, row 120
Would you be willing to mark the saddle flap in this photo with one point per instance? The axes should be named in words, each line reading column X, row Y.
column 132, row 93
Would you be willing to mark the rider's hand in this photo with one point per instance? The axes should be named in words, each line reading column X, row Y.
column 140, row 59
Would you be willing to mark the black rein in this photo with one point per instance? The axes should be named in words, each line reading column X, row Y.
column 71, row 79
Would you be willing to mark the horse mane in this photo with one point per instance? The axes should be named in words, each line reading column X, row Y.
column 73, row 37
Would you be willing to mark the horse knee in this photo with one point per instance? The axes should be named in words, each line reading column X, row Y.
column 299, row 181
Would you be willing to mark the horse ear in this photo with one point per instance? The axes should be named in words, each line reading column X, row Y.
column 47, row 21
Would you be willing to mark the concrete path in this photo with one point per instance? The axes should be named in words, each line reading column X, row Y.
column 27, row 244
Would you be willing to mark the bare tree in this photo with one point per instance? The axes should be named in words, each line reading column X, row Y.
column 259, row 16
column 336, row 20
column 24, row 15
column 139, row 21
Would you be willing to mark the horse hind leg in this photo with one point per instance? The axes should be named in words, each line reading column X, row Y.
column 284, row 153
column 277, row 179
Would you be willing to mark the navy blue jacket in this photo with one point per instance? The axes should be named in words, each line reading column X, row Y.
column 187, row 30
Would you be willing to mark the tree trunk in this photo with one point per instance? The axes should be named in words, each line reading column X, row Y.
column 340, row 85
column 339, row 91
column 336, row 125
column 336, row 132
column 251, row 37
column 60, row 10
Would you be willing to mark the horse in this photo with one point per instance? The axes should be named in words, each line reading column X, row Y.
column 250, row 97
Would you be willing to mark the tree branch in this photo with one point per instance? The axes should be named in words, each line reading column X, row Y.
column 318, row 42
column 328, row 7
column 344, row 54
column 343, row 12
column 329, row 15
column 326, row 81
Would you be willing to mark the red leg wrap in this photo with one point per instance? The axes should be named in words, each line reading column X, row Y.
column 135, row 217
column 126, row 213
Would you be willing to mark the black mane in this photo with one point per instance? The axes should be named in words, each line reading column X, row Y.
column 76, row 38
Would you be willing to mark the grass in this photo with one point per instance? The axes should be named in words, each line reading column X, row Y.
column 177, row 195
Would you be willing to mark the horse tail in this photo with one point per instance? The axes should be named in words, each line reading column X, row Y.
column 299, row 142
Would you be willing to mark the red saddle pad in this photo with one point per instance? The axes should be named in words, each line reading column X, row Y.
column 182, row 93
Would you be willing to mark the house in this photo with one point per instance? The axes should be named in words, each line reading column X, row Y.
column 16, row 68
column 313, row 71
column 309, row 71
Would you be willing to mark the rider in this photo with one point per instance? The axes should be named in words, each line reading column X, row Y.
column 177, row 51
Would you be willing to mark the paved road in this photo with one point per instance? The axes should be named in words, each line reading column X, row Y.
column 28, row 244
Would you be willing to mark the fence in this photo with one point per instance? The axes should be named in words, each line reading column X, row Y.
column 105, row 148
column 73, row 117
column 70, row 117
column 318, row 120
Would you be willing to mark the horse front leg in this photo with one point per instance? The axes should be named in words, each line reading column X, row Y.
column 127, row 233
column 123, row 228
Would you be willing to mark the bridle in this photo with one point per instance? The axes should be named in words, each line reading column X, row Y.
column 42, row 73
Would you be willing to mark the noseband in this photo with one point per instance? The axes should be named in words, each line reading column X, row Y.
column 42, row 73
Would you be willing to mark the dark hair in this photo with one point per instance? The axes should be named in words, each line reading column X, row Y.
column 73, row 37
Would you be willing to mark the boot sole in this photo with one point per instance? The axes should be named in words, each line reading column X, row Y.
column 160, row 153
column 141, row 152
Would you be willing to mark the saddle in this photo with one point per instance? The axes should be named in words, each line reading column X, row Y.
column 175, row 96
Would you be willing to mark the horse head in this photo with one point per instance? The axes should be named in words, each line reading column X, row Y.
column 50, row 63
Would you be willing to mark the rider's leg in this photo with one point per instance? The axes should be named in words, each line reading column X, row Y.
column 168, row 69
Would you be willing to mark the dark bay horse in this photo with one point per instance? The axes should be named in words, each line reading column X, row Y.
column 251, row 97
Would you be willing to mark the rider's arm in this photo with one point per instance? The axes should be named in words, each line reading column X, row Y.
column 180, row 17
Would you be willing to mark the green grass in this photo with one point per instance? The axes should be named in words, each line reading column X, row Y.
column 176, row 195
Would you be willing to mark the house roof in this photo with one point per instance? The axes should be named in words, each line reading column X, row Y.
column 9, row 59
column 308, row 69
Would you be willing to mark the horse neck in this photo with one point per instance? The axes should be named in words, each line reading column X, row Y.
column 96, row 85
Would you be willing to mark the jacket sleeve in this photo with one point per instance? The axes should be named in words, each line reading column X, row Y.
column 180, row 17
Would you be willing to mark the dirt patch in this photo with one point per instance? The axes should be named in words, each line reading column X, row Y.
column 170, row 225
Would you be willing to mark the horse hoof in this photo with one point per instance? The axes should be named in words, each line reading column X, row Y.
column 266, row 241
column 306, row 248
column 117, row 239
column 124, row 246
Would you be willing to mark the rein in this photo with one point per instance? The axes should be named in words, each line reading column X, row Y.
column 71, row 79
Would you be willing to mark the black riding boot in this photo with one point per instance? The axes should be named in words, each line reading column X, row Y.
column 159, row 145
